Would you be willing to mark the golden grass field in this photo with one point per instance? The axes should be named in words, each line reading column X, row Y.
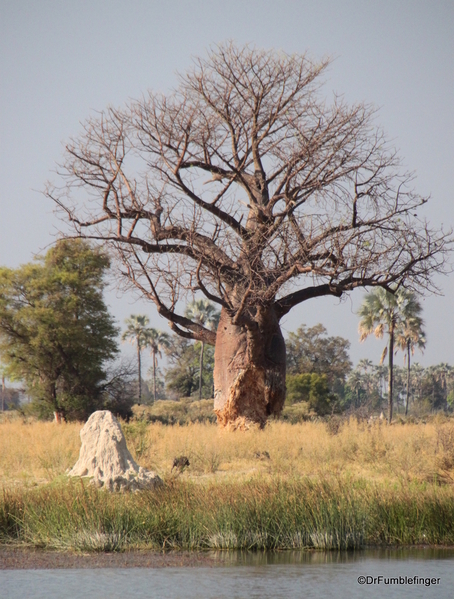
column 36, row 452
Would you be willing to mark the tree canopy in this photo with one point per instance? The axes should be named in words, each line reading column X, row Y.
column 56, row 333
column 312, row 388
column 311, row 350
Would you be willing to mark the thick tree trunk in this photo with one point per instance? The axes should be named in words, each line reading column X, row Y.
column 249, row 371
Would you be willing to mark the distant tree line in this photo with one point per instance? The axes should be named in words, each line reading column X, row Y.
column 432, row 388
column 321, row 374
column 58, row 339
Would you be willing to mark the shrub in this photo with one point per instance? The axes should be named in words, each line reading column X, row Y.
column 311, row 388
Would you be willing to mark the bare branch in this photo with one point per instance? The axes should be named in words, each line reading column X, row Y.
column 247, row 186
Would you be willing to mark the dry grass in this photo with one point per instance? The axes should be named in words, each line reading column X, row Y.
column 39, row 452
column 36, row 452
column 401, row 452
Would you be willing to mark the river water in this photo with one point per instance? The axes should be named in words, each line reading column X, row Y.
column 387, row 573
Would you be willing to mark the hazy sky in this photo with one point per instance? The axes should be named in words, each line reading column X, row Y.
column 62, row 60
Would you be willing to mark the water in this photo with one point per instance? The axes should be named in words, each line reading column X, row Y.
column 249, row 576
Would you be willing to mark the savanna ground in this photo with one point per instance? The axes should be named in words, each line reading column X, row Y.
column 328, row 485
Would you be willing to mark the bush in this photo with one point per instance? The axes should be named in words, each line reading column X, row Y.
column 311, row 388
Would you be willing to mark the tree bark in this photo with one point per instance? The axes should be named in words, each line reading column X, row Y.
column 249, row 371
column 58, row 417
column 58, row 413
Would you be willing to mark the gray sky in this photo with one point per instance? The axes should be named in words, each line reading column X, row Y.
column 63, row 59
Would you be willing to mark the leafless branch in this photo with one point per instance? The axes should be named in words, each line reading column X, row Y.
column 303, row 198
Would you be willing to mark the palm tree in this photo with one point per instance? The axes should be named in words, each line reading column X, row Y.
column 381, row 312
column 440, row 374
column 410, row 334
column 138, row 333
column 203, row 312
column 156, row 341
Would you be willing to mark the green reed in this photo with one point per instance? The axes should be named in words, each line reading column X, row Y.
column 281, row 514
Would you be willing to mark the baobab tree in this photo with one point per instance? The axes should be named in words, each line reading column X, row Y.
column 246, row 186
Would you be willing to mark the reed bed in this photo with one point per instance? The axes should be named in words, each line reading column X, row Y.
column 282, row 514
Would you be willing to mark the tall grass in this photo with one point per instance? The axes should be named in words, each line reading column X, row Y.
column 35, row 452
column 290, row 514
column 410, row 452
column 39, row 452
